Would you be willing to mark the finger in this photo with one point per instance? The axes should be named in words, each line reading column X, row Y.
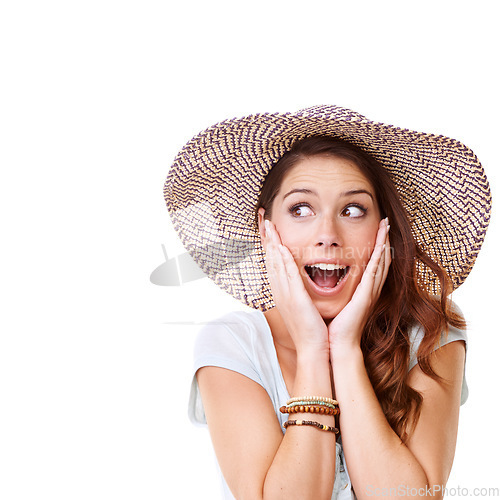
column 373, row 266
column 383, row 232
column 270, row 246
column 387, row 256
column 379, row 273
column 385, row 262
column 274, row 236
column 274, row 261
column 291, row 268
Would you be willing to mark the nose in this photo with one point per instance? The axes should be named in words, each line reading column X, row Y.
column 328, row 234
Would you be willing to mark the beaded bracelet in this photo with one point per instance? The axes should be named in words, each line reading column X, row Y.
column 311, row 402
column 312, row 398
column 310, row 409
column 322, row 427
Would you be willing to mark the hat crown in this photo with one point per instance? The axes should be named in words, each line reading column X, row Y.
column 332, row 112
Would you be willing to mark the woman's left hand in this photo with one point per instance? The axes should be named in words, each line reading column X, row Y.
column 346, row 328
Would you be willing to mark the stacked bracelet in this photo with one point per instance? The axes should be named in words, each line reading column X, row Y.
column 313, row 398
column 320, row 426
column 311, row 404
column 310, row 409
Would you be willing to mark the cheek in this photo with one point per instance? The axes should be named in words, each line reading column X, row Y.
column 296, row 248
column 367, row 251
column 292, row 238
column 297, row 241
column 362, row 248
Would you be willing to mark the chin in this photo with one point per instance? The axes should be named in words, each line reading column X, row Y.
column 330, row 310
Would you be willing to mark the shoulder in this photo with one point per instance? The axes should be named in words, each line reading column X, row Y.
column 241, row 342
column 233, row 333
column 416, row 334
column 445, row 360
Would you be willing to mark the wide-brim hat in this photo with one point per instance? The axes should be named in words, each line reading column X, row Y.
column 213, row 185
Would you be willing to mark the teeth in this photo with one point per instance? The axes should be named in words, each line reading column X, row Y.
column 327, row 267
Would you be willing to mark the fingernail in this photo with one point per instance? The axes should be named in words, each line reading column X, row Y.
column 266, row 224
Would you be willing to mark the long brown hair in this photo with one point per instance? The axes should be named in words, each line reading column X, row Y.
column 403, row 302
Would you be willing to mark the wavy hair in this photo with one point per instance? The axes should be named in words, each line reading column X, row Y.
column 403, row 303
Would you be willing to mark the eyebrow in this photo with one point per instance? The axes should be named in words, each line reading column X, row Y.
column 303, row 190
column 356, row 191
column 342, row 195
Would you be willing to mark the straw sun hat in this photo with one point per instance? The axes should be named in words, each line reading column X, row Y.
column 215, row 180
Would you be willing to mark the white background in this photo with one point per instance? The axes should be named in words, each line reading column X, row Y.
column 96, row 99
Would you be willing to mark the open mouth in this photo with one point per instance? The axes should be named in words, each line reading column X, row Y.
column 327, row 275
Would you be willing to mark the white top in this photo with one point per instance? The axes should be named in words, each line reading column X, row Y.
column 242, row 341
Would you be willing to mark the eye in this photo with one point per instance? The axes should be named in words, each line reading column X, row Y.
column 353, row 211
column 301, row 211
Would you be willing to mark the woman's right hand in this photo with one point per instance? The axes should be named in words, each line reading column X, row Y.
column 301, row 317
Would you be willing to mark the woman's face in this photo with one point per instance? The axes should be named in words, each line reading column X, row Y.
column 327, row 215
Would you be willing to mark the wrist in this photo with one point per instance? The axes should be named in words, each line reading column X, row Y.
column 313, row 354
column 346, row 353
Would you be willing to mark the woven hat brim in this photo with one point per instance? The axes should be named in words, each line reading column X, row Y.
column 214, row 183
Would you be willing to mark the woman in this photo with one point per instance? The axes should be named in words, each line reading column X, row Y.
column 362, row 359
